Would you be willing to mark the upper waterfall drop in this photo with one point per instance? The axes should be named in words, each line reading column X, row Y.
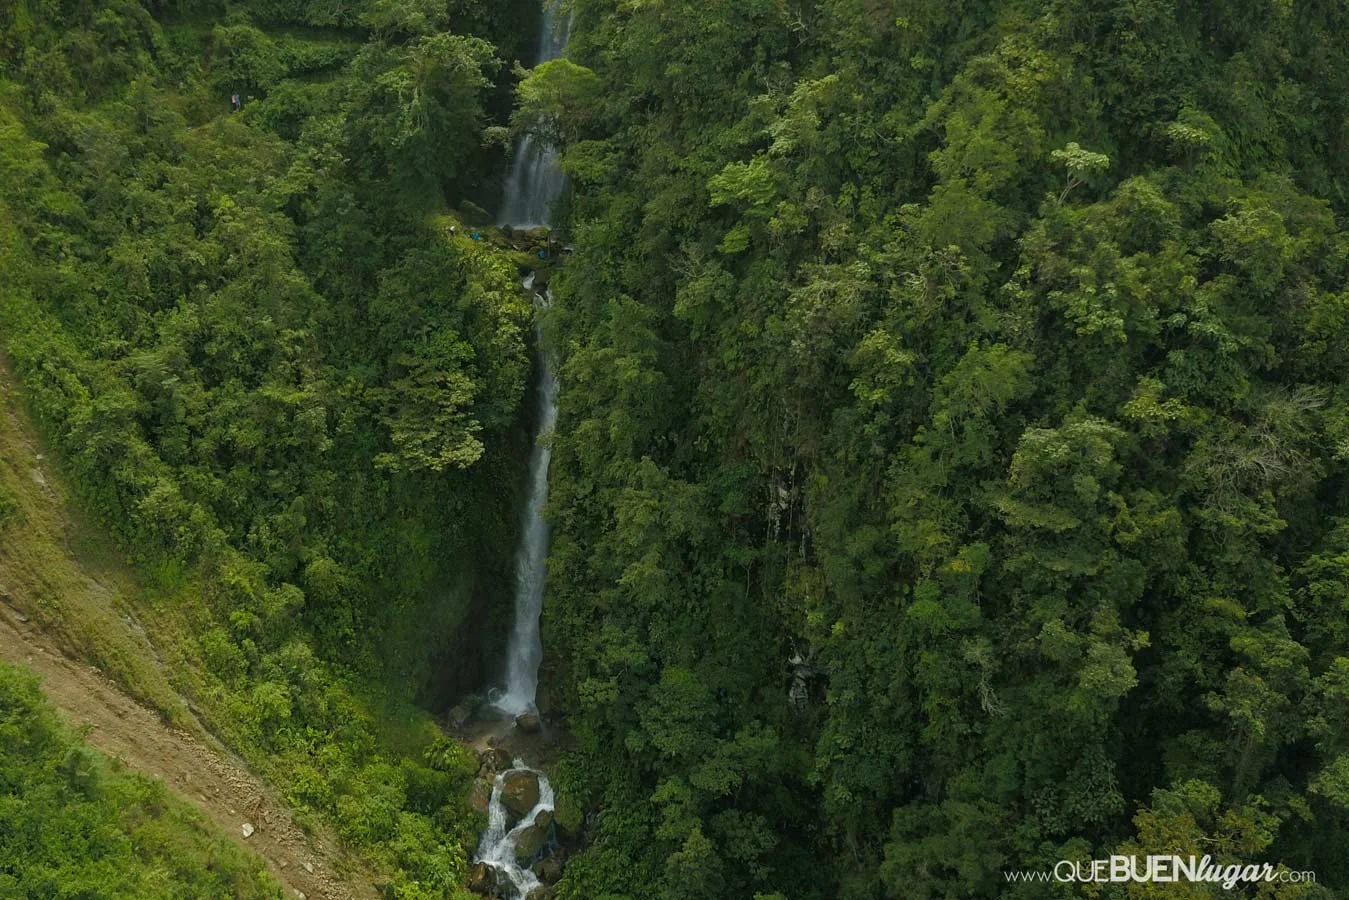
column 535, row 180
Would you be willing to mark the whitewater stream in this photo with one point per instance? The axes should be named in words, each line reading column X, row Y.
column 498, row 843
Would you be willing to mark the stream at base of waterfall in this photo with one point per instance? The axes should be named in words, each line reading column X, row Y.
column 504, row 846
column 507, row 850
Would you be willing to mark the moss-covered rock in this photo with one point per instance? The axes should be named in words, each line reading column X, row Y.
column 520, row 792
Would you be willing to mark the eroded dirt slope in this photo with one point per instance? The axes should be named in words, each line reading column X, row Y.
column 205, row 776
column 61, row 605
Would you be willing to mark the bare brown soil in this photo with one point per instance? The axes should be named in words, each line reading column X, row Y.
column 207, row 777
column 62, row 601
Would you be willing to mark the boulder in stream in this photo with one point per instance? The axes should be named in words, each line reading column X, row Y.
column 529, row 723
column 520, row 792
column 483, row 879
column 542, row 892
column 548, row 870
column 531, row 840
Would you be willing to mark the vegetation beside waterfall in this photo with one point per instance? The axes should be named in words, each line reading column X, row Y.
column 950, row 473
column 950, row 466
column 282, row 372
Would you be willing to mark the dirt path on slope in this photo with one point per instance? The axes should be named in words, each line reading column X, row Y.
column 207, row 777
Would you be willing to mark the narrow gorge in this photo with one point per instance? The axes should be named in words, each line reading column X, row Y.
column 520, row 808
column 704, row 450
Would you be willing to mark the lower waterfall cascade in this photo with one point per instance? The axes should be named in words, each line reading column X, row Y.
column 499, row 845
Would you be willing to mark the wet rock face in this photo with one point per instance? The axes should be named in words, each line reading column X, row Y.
column 482, row 879
column 520, row 792
column 480, row 795
column 548, row 870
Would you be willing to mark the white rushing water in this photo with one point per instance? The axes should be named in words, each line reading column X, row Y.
column 535, row 180
column 525, row 649
column 498, row 843
column 534, row 185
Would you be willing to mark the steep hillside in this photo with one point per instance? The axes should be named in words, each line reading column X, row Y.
column 954, row 436
column 274, row 377
column 75, row 825
column 67, row 612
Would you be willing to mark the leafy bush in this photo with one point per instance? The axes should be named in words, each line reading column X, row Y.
column 244, row 60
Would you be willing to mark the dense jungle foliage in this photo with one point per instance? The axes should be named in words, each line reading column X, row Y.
column 950, row 475
column 273, row 367
column 950, row 471
column 72, row 826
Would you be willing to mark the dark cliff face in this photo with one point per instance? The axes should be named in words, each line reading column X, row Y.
column 468, row 649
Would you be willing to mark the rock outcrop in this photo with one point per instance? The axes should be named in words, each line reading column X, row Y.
column 532, row 838
column 494, row 760
column 480, row 795
column 548, row 870
column 463, row 712
column 483, row 879
column 520, row 792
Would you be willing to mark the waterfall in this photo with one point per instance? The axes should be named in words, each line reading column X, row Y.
column 535, row 180
column 525, row 650
column 534, row 185
column 498, row 843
